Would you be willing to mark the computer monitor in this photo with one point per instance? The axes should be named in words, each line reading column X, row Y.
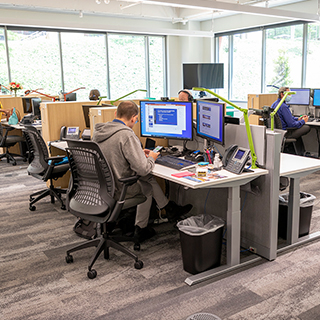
column 166, row 119
column 302, row 96
column 210, row 120
column 27, row 107
column 35, row 102
column 316, row 97
column 71, row 96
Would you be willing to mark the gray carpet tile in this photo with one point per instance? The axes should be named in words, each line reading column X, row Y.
column 37, row 283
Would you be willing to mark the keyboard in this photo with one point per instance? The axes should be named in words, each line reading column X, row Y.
column 175, row 163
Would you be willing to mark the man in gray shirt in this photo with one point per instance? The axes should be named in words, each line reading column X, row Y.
column 122, row 148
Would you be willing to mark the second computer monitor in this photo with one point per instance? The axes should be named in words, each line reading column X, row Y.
column 35, row 102
column 302, row 96
column 166, row 119
column 316, row 97
column 210, row 120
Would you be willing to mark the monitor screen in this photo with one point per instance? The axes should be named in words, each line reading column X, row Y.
column 36, row 107
column 26, row 102
column 71, row 96
column 210, row 120
column 301, row 97
column 316, row 97
column 166, row 119
column 204, row 75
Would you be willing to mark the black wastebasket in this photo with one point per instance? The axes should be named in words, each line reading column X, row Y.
column 306, row 206
column 201, row 241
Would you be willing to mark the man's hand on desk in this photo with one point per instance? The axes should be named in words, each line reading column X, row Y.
column 152, row 154
column 304, row 117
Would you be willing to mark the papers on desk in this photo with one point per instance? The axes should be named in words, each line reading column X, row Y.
column 192, row 176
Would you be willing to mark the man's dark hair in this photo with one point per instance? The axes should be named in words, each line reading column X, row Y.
column 94, row 94
column 282, row 90
column 127, row 110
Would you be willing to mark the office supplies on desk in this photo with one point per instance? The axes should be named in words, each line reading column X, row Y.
column 175, row 163
column 183, row 174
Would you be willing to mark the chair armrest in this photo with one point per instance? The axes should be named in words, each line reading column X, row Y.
column 129, row 180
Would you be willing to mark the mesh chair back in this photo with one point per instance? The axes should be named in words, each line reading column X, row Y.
column 277, row 122
column 92, row 188
column 39, row 163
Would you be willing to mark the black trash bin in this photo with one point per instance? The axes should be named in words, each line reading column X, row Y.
column 201, row 241
column 306, row 206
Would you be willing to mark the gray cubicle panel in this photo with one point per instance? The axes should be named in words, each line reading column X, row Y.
column 237, row 134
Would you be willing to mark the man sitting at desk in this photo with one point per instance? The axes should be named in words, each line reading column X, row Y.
column 122, row 148
column 289, row 121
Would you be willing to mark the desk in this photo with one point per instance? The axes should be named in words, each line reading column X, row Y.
column 233, row 183
column 316, row 125
column 295, row 167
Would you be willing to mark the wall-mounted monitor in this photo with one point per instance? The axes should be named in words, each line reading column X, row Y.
column 166, row 119
column 203, row 75
column 316, row 97
column 302, row 96
column 210, row 120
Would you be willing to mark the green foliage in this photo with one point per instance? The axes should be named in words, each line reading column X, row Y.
column 282, row 70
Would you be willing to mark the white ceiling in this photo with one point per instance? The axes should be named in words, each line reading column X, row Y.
column 176, row 11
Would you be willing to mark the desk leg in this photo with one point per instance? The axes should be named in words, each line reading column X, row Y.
column 233, row 226
column 293, row 211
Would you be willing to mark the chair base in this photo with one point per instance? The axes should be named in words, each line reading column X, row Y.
column 102, row 244
column 54, row 193
column 10, row 157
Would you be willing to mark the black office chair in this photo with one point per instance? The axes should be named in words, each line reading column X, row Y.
column 7, row 141
column 287, row 140
column 90, row 196
column 44, row 167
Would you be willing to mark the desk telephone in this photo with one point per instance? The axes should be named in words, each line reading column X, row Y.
column 235, row 158
column 69, row 133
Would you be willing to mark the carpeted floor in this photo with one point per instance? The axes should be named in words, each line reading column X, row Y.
column 37, row 283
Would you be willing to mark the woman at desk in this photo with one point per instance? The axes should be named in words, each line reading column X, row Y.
column 289, row 121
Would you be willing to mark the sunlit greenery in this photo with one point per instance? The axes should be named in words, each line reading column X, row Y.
column 35, row 62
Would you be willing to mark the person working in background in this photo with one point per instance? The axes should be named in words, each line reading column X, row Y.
column 94, row 94
column 289, row 121
column 122, row 148
column 185, row 95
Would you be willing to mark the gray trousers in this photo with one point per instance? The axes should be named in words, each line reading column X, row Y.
column 151, row 189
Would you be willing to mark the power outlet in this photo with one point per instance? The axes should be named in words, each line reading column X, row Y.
column 253, row 250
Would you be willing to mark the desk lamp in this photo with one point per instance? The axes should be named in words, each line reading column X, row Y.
column 128, row 94
column 278, row 106
column 246, row 120
column 26, row 93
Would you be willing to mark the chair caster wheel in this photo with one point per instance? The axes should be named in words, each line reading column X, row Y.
column 69, row 258
column 63, row 207
column 14, row 164
column 138, row 264
column 92, row 274
column 32, row 208
column 31, row 198
column 136, row 247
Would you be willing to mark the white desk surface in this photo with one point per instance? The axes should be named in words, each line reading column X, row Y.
column 20, row 126
column 313, row 123
column 231, row 178
column 292, row 164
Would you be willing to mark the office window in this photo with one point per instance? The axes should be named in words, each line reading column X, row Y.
column 84, row 63
column 223, row 54
column 156, row 64
column 34, row 59
column 246, row 64
column 313, row 53
column 127, row 66
column 3, row 62
column 284, row 56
